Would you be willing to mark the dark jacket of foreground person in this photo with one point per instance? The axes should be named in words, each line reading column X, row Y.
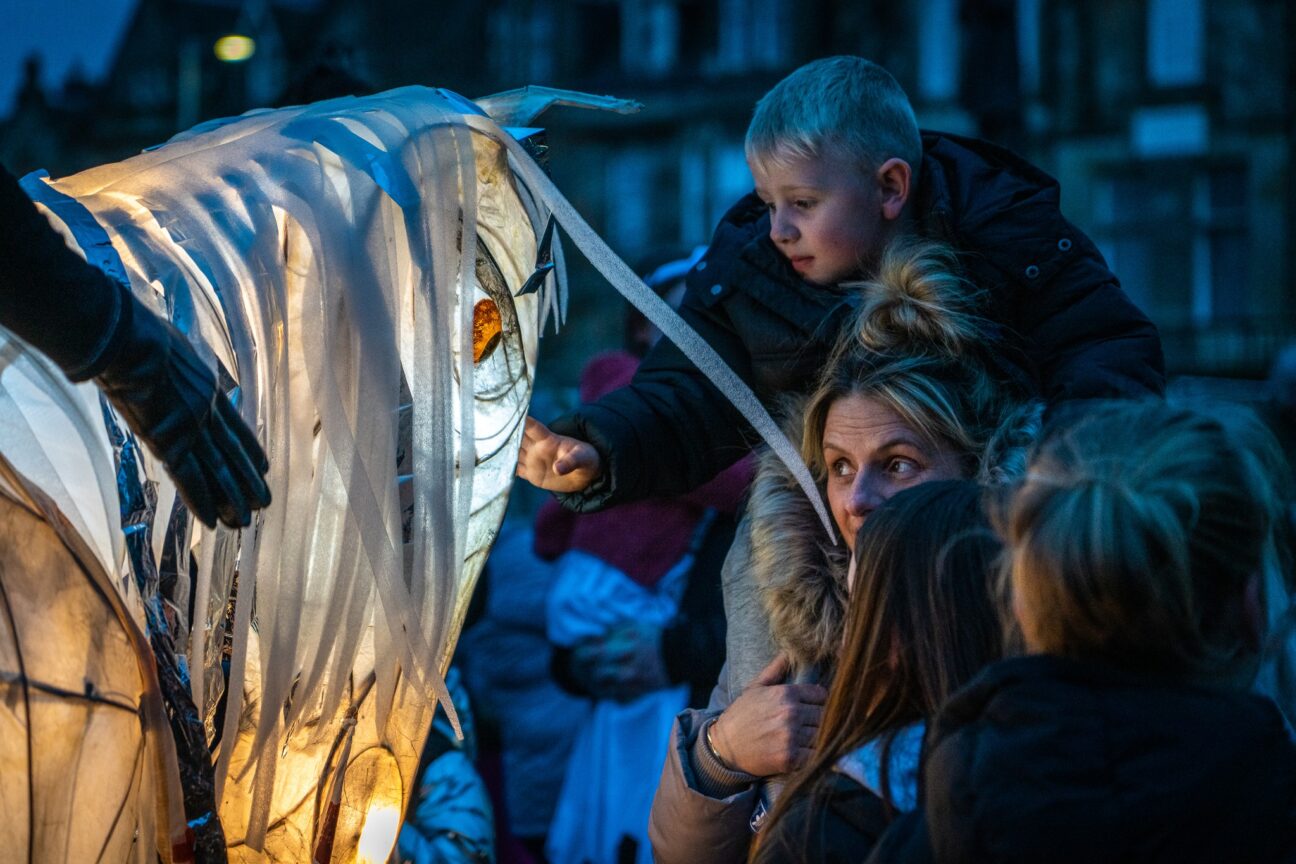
column 840, row 828
column 1042, row 759
column 1063, row 313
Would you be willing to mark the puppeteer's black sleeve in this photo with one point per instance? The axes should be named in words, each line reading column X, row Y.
column 49, row 296
column 92, row 327
column 670, row 430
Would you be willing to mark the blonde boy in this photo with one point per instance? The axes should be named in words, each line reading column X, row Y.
column 840, row 168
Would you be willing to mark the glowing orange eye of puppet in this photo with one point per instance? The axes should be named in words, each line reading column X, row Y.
column 487, row 329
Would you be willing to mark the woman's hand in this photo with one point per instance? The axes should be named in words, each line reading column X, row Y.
column 768, row 730
column 556, row 462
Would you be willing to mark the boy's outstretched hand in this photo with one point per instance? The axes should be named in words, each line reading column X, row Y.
column 555, row 462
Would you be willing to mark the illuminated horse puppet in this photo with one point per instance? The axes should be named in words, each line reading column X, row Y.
column 365, row 276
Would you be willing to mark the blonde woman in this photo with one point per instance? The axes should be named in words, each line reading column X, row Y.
column 909, row 396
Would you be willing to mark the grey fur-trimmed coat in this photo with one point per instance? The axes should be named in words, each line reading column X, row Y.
column 793, row 577
column 785, row 590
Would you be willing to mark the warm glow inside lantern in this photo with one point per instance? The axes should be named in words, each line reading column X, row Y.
column 365, row 275
column 355, row 268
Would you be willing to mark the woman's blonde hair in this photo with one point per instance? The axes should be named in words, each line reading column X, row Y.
column 1133, row 541
column 918, row 345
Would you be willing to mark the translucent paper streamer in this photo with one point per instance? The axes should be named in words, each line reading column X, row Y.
column 198, row 628
column 85, row 453
column 325, row 261
column 432, row 534
column 656, row 310
column 466, row 459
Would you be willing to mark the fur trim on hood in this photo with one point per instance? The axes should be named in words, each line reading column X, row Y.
column 801, row 576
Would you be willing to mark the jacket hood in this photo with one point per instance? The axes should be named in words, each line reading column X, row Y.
column 983, row 196
column 800, row 574
column 1042, row 758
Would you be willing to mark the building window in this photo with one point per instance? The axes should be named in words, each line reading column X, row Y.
column 1175, row 233
column 938, row 54
column 1029, row 63
column 1175, row 43
column 628, row 192
column 753, row 34
column 695, row 226
column 642, row 195
column 650, row 38
column 521, row 44
column 730, row 180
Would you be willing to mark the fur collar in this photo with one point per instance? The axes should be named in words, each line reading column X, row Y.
column 800, row 575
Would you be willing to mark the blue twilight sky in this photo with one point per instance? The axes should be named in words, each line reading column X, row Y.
column 65, row 32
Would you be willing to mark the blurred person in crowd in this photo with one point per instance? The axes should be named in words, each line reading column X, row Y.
column 633, row 657
column 637, row 620
column 526, row 723
column 450, row 819
column 922, row 621
column 1136, row 549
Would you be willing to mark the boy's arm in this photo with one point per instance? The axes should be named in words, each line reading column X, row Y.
column 670, row 430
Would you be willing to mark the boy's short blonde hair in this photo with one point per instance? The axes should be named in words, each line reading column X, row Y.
column 844, row 102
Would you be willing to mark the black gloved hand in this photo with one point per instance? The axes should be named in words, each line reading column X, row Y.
column 172, row 402
column 92, row 327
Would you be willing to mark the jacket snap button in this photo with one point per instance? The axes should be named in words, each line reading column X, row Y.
column 716, row 289
column 1064, row 244
column 1031, row 272
column 701, row 265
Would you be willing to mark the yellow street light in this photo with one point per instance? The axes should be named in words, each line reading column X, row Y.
column 234, row 48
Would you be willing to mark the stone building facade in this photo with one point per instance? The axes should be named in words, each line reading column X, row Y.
column 1168, row 122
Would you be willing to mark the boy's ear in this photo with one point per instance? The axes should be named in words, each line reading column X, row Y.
column 893, row 182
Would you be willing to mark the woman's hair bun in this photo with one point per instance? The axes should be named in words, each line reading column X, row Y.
column 918, row 302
